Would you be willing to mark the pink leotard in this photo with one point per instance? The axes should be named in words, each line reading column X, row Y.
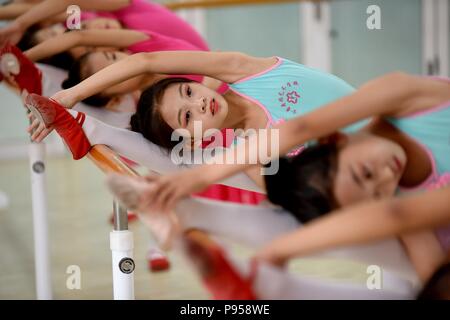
column 145, row 15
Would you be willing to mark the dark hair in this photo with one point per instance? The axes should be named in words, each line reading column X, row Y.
column 148, row 120
column 303, row 183
column 438, row 287
column 77, row 73
column 28, row 39
column 61, row 60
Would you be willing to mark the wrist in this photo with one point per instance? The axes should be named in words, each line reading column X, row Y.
column 65, row 98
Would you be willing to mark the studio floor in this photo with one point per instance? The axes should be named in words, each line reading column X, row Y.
column 79, row 212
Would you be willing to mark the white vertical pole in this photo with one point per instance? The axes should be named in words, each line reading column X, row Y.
column 40, row 221
column 121, row 243
column 315, row 28
column 443, row 36
column 195, row 17
column 428, row 52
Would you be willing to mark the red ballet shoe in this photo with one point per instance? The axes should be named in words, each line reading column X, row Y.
column 220, row 277
column 157, row 261
column 22, row 70
column 52, row 114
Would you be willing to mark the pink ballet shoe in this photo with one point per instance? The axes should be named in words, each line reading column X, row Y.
column 52, row 114
column 23, row 71
column 157, row 261
column 220, row 277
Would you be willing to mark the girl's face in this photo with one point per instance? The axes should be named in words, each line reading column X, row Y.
column 99, row 60
column 101, row 23
column 182, row 104
column 369, row 167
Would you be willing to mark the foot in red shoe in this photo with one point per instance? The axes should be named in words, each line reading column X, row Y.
column 14, row 64
column 157, row 260
column 52, row 114
column 220, row 277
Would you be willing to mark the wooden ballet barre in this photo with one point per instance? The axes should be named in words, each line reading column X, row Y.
column 190, row 4
column 108, row 161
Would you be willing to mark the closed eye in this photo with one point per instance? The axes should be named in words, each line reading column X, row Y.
column 367, row 173
column 188, row 91
column 356, row 178
column 187, row 117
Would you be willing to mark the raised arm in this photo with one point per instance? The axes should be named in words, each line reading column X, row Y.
column 92, row 38
column 13, row 10
column 49, row 8
column 363, row 223
column 393, row 94
column 224, row 66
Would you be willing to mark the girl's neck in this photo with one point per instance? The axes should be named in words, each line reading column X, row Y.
column 418, row 165
column 242, row 114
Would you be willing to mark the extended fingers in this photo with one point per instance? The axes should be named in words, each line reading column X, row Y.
column 33, row 126
column 39, row 133
column 163, row 191
column 43, row 134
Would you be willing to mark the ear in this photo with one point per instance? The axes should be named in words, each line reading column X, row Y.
column 338, row 138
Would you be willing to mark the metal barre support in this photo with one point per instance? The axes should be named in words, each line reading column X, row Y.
column 120, row 217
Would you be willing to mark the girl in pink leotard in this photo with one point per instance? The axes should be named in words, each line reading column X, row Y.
column 145, row 15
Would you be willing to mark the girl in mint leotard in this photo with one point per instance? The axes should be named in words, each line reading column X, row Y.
column 281, row 91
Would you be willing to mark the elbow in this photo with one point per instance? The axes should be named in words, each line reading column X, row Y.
column 397, row 86
column 391, row 79
column 399, row 79
column 396, row 76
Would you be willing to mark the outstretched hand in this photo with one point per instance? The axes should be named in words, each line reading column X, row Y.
column 169, row 189
column 272, row 254
column 37, row 128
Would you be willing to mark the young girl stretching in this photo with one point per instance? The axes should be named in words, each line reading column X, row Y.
column 403, row 149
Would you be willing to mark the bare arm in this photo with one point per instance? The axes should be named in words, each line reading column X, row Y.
column 388, row 95
column 95, row 38
column 14, row 10
column 49, row 8
column 224, row 66
column 364, row 223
